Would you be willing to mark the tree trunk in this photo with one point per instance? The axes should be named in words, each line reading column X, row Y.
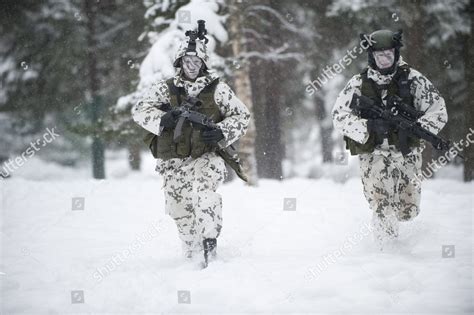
column 257, row 75
column 414, row 55
column 272, row 145
column 134, row 157
column 325, row 129
column 266, row 79
column 469, row 103
column 244, row 92
column 269, row 148
column 324, row 25
column 98, row 169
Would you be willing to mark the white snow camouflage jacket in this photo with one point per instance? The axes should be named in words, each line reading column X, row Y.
column 235, row 113
column 426, row 98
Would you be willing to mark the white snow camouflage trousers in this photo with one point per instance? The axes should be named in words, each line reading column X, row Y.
column 391, row 189
column 191, row 198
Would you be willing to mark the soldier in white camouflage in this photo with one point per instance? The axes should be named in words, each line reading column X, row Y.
column 388, row 176
column 191, row 168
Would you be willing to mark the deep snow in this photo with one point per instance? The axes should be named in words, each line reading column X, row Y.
column 270, row 260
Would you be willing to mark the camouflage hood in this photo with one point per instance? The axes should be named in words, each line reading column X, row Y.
column 201, row 52
column 193, row 88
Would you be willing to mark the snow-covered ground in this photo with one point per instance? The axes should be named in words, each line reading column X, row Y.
column 123, row 253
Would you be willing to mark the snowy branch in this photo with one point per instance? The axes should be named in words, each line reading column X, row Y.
column 110, row 32
column 286, row 25
column 275, row 54
column 254, row 33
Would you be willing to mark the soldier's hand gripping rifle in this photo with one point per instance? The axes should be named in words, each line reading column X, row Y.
column 401, row 118
column 186, row 113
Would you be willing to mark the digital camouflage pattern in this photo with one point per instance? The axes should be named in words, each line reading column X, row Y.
column 190, row 185
column 191, row 198
column 389, row 178
column 389, row 189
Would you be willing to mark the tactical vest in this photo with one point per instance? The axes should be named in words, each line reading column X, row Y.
column 190, row 143
column 400, row 86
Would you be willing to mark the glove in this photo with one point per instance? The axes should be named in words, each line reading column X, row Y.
column 379, row 126
column 170, row 119
column 212, row 136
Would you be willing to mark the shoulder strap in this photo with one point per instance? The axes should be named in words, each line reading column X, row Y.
column 369, row 83
column 211, row 87
column 175, row 91
column 403, row 82
column 364, row 72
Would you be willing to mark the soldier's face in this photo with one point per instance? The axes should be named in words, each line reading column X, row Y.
column 384, row 58
column 191, row 66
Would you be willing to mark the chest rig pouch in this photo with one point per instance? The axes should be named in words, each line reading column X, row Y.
column 189, row 143
column 399, row 86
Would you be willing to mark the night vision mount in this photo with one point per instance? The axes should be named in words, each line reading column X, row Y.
column 200, row 33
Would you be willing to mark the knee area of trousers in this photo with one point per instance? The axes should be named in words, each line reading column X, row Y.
column 408, row 213
column 209, row 197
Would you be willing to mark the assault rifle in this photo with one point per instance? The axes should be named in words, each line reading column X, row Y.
column 401, row 117
column 186, row 112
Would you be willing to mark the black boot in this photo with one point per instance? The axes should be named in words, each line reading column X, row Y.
column 209, row 245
